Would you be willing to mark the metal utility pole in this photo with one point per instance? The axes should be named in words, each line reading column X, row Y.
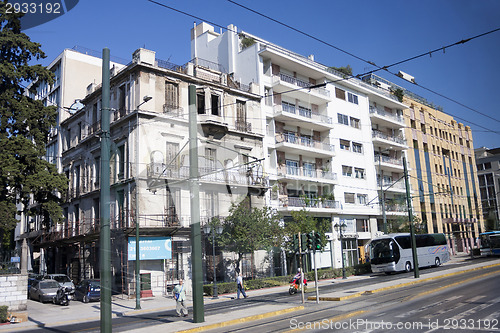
column 416, row 272
column 300, row 267
column 382, row 194
column 105, row 234
column 316, row 274
column 196, row 264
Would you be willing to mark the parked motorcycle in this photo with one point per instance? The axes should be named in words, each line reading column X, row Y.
column 295, row 286
column 62, row 296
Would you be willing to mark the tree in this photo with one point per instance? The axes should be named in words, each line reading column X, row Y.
column 347, row 70
column 248, row 229
column 24, row 127
column 303, row 222
column 402, row 224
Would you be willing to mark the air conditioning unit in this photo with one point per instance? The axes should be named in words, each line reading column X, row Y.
column 383, row 85
column 406, row 77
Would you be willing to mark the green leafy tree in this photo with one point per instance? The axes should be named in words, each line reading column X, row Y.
column 24, row 128
column 248, row 229
column 401, row 224
column 303, row 222
column 346, row 70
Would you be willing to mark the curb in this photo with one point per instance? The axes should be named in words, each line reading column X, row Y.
column 242, row 320
column 341, row 298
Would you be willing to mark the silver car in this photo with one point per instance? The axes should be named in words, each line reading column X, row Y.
column 63, row 280
column 43, row 290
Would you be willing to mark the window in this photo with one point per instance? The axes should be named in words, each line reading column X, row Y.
column 345, row 144
column 172, row 158
column 361, row 198
column 241, row 113
column 121, row 161
column 339, row 93
column 346, row 171
column 288, row 107
column 309, row 169
column 215, row 105
column 200, row 103
column 210, row 157
column 355, row 123
column 357, row 147
column 352, row 98
column 349, row 197
column 305, row 112
column 292, row 167
column 362, row 225
column 343, row 119
column 422, row 127
column 359, row 173
column 171, row 97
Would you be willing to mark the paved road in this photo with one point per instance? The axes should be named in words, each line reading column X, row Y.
column 79, row 317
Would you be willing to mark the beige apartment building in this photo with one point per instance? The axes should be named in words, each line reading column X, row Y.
column 442, row 171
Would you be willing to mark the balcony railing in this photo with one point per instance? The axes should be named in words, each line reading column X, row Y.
column 393, row 185
column 388, row 115
column 303, row 84
column 382, row 135
column 304, row 172
column 243, row 126
column 289, row 108
column 309, row 202
column 303, row 141
column 398, row 208
column 208, row 174
column 389, row 160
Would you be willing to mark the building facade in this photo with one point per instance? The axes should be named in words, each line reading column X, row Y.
column 74, row 70
column 442, row 171
column 327, row 136
column 149, row 168
column 488, row 172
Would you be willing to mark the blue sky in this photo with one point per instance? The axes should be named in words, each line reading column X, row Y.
column 384, row 32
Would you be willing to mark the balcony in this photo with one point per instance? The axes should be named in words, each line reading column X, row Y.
column 398, row 186
column 315, row 204
column 300, row 89
column 387, row 140
column 317, row 175
column 315, row 121
column 242, row 177
column 389, row 163
column 386, row 118
column 290, row 142
column 395, row 208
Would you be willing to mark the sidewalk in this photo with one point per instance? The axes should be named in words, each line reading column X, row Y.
column 121, row 306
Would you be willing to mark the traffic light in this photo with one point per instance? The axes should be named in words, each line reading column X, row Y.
column 317, row 241
column 296, row 243
column 310, row 241
column 303, row 242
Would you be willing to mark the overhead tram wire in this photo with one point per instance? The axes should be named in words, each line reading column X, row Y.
column 461, row 42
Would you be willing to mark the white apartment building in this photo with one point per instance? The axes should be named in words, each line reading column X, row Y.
column 150, row 169
column 328, row 139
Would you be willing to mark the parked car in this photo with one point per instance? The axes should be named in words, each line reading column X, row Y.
column 88, row 290
column 43, row 290
column 63, row 280
column 32, row 277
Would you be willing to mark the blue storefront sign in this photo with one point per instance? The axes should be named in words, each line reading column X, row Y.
column 151, row 248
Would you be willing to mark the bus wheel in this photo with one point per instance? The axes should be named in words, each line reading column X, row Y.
column 437, row 262
column 407, row 267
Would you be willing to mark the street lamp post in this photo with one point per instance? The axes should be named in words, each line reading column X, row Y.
column 207, row 230
column 340, row 229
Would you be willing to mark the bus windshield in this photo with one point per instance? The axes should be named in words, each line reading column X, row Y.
column 384, row 251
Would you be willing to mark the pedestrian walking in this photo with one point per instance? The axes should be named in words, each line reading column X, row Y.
column 241, row 287
column 180, row 298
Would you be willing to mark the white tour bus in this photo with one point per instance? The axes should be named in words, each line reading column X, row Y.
column 392, row 253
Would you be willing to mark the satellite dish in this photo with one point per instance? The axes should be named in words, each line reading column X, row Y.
column 75, row 107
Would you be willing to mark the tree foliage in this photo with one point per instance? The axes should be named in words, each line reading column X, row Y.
column 346, row 70
column 248, row 229
column 303, row 222
column 24, row 127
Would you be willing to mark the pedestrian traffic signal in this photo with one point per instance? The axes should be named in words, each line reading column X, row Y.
column 303, row 242
column 310, row 240
column 317, row 242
